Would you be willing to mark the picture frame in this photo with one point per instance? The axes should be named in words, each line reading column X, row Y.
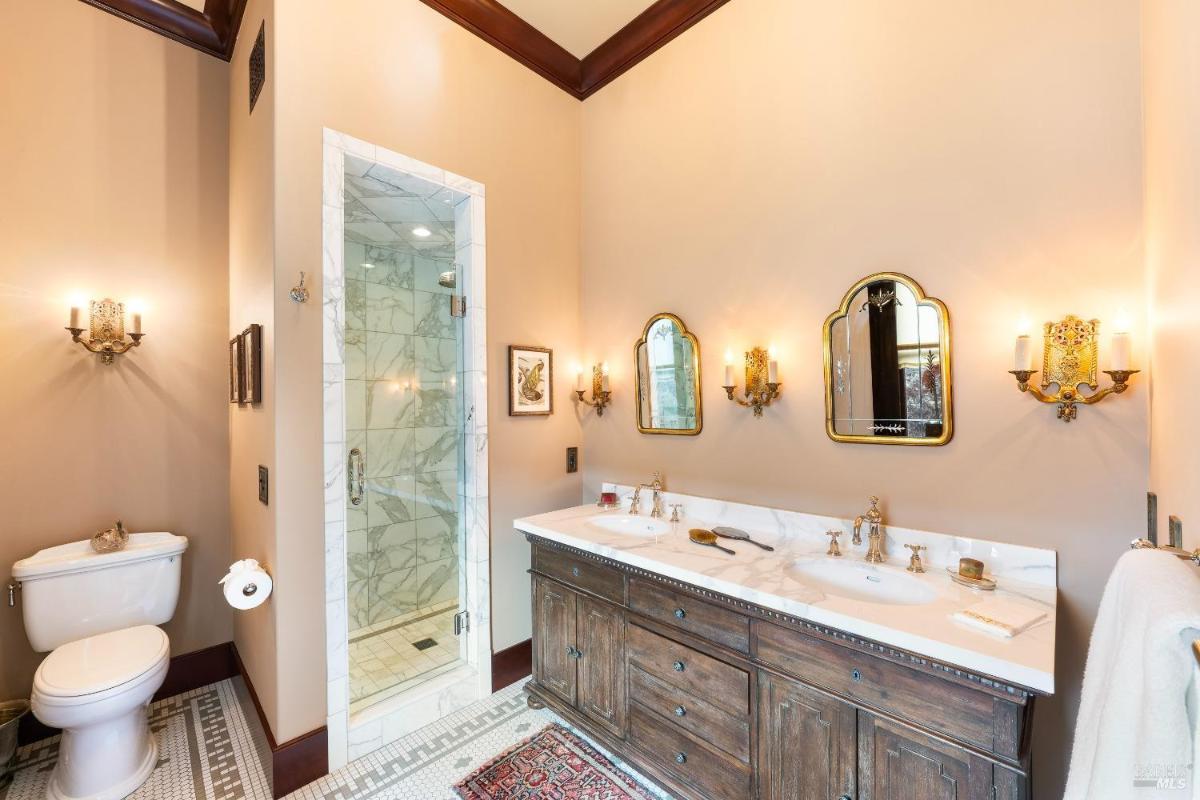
column 252, row 364
column 235, row 370
column 530, row 381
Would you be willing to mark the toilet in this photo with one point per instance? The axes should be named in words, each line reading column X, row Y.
column 96, row 614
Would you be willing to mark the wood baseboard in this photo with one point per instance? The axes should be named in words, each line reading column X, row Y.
column 185, row 672
column 294, row 763
column 512, row 664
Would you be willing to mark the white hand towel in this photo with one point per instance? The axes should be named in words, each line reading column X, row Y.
column 1000, row 616
column 1133, row 720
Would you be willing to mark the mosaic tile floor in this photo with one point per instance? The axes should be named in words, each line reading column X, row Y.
column 387, row 660
column 206, row 753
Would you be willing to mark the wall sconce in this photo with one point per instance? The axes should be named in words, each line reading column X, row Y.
column 762, row 380
column 107, row 329
column 601, row 396
column 1069, row 360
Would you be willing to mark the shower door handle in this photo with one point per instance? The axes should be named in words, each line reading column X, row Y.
column 355, row 471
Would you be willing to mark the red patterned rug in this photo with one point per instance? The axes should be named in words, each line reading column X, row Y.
column 555, row 764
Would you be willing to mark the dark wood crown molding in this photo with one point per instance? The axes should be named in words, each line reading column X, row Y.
column 650, row 30
column 213, row 31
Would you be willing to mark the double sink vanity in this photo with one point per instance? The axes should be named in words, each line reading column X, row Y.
column 786, row 674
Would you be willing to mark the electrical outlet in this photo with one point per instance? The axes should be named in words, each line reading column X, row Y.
column 262, row 484
column 572, row 459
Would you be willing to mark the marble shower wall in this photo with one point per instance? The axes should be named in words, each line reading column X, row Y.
column 402, row 409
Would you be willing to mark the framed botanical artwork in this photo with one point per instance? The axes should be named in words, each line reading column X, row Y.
column 252, row 364
column 530, row 381
column 235, row 369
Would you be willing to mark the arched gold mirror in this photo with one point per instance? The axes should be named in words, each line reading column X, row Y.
column 887, row 365
column 668, row 378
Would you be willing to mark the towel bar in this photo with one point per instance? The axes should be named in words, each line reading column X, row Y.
column 1146, row 544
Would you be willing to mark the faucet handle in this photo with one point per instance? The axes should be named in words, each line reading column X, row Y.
column 675, row 511
column 915, row 564
column 834, row 548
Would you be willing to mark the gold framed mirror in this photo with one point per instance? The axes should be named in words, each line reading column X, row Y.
column 667, row 358
column 887, row 365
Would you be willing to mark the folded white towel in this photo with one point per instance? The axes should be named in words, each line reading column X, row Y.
column 1133, row 726
column 1000, row 616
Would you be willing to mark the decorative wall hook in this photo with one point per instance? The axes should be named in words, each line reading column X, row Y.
column 106, row 334
column 601, row 395
column 299, row 292
column 1069, row 361
column 762, row 381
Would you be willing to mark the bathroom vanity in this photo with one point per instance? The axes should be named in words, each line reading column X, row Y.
column 778, row 675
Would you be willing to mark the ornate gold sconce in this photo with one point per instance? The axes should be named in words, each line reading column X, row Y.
column 762, row 380
column 1069, row 361
column 107, row 329
column 601, row 395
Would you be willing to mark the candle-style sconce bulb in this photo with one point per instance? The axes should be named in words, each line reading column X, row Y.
column 762, row 381
column 1070, row 355
column 106, row 335
column 601, row 393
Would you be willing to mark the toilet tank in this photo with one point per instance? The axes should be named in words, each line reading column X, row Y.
column 71, row 592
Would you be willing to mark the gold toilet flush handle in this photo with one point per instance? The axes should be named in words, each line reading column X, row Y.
column 915, row 564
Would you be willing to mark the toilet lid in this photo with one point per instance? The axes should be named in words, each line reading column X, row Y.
column 98, row 663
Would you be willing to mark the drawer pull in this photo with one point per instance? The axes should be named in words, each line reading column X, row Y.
column 681, row 758
column 856, row 676
column 677, row 666
column 680, row 613
column 680, row 711
column 574, row 653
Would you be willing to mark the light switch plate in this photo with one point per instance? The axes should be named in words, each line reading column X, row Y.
column 262, row 484
column 572, row 459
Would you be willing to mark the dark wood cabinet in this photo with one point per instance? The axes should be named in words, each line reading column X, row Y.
column 715, row 698
column 807, row 742
column 579, row 653
column 899, row 763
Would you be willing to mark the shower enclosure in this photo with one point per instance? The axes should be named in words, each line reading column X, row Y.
column 405, row 432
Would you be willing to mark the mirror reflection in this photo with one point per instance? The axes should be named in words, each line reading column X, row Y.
column 887, row 365
column 668, row 378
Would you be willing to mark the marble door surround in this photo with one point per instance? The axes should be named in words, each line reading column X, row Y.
column 352, row 735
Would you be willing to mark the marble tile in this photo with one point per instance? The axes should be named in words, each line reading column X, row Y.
column 435, row 407
column 355, row 354
column 392, row 452
column 358, row 604
column 389, row 309
column 393, row 594
column 475, row 284
column 435, row 449
column 437, row 538
column 335, row 486
column 331, row 185
column 358, row 554
column 335, row 561
column 391, row 500
column 334, row 418
column 390, row 357
column 356, row 305
column 390, row 405
column 354, row 210
column 428, row 271
column 435, row 360
column 437, row 582
column 390, row 266
column 393, row 548
column 350, row 145
column 432, row 315
column 436, row 494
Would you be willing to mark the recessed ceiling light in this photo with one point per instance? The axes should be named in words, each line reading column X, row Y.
column 422, row 231
column 367, row 266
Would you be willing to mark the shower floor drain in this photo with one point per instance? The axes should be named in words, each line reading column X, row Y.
column 425, row 644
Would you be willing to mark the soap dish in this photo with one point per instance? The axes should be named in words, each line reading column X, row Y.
column 986, row 584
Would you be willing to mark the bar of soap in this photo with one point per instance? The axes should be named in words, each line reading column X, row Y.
column 970, row 568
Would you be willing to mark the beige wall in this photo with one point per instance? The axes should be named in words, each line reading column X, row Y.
column 251, row 300
column 115, row 162
column 1171, row 53
column 402, row 76
column 748, row 173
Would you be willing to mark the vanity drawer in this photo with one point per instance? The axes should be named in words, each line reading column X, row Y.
column 706, row 722
column 723, row 685
column 716, row 775
column 685, row 612
column 945, row 706
column 581, row 573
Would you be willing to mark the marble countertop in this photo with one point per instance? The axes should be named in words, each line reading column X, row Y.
column 767, row 579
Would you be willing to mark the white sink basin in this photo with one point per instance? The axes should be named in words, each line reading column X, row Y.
column 630, row 525
column 865, row 582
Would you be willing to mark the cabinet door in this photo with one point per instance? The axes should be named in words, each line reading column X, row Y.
column 806, row 742
column 899, row 763
column 602, row 686
column 554, row 609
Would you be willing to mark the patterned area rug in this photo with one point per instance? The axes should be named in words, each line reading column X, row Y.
column 555, row 764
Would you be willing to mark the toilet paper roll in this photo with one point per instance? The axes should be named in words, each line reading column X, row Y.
column 247, row 585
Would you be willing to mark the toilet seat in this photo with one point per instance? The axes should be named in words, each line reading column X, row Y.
column 88, row 670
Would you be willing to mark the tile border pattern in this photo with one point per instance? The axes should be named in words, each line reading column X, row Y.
column 374, row 728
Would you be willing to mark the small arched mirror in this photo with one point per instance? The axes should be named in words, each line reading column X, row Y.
column 668, row 378
column 887, row 365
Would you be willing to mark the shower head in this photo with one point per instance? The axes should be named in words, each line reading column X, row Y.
column 449, row 279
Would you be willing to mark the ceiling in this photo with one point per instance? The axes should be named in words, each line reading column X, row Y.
column 579, row 26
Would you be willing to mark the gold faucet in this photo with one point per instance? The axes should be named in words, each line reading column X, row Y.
column 658, row 485
column 874, row 533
